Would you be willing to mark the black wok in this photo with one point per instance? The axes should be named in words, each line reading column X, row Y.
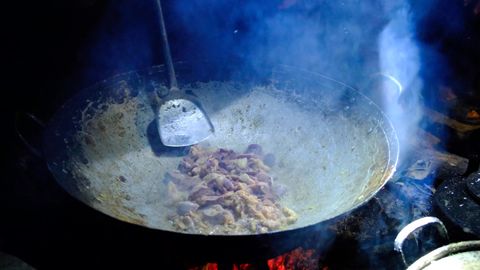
column 334, row 147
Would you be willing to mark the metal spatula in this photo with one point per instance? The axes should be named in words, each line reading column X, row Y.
column 181, row 119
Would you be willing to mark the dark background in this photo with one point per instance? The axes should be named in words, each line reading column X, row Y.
column 51, row 49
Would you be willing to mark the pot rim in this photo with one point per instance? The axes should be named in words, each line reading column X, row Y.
column 445, row 251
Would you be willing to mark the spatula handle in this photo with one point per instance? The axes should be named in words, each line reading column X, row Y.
column 166, row 51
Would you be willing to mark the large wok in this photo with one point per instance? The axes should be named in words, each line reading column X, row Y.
column 334, row 147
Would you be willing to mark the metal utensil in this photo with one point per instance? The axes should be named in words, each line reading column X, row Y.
column 181, row 118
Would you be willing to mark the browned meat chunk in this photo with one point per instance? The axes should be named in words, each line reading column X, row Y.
column 185, row 207
column 220, row 191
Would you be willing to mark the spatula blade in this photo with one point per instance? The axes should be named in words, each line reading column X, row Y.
column 181, row 122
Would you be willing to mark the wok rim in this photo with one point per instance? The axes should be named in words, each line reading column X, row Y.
column 389, row 170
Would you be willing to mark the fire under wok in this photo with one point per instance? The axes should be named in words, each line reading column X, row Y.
column 333, row 147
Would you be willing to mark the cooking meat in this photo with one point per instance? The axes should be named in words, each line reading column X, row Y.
column 185, row 207
column 216, row 215
column 221, row 191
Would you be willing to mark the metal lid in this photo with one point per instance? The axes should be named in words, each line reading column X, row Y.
column 462, row 255
column 466, row 260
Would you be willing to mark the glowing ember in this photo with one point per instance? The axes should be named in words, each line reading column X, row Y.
column 245, row 266
column 298, row 259
column 208, row 266
column 473, row 115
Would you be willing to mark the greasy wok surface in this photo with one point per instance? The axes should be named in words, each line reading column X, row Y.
column 334, row 148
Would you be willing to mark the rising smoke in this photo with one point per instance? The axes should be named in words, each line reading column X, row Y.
column 399, row 61
column 347, row 40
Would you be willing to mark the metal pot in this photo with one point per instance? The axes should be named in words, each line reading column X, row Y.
column 461, row 255
column 334, row 147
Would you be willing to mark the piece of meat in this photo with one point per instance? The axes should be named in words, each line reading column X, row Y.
column 259, row 189
column 199, row 191
column 220, row 191
column 212, row 165
column 196, row 152
column 186, row 165
column 263, row 177
column 185, row 207
column 208, row 199
column 182, row 181
column 241, row 163
column 173, row 195
column 271, row 224
column 244, row 178
column 216, row 215
column 257, row 164
column 220, row 178
column 228, row 184
column 290, row 214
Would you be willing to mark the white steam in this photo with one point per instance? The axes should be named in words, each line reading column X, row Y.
column 399, row 61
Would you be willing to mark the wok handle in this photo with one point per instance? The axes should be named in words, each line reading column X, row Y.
column 20, row 133
column 412, row 227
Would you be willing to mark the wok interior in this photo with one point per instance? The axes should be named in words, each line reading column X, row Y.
column 333, row 147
